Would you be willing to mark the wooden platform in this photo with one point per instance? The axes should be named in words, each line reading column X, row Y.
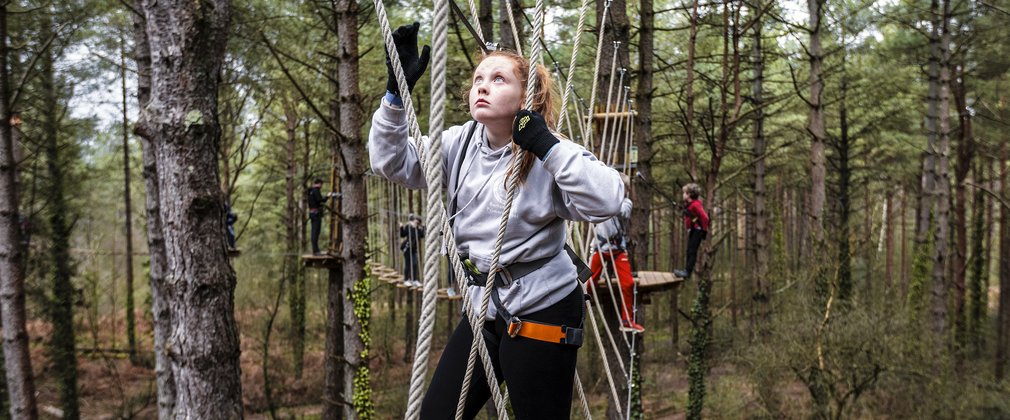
column 320, row 261
column 656, row 281
column 234, row 252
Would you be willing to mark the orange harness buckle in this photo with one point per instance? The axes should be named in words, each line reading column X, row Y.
column 545, row 332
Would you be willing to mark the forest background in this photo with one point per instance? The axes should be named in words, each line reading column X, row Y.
column 853, row 156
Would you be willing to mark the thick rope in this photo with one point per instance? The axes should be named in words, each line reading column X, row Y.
column 569, row 84
column 513, row 182
column 515, row 29
column 596, row 66
column 475, row 15
column 433, row 176
column 606, row 364
column 606, row 113
column 414, row 406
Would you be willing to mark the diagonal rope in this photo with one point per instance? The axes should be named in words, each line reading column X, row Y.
column 513, row 183
column 475, row 15
column 596, row 67
column 569, row 84
column 515, row 29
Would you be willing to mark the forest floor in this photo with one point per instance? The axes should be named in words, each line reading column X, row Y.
column 111, row 387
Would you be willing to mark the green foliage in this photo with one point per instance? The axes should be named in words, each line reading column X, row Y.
column 918, row 283
column 697, row 367
column 362, row 391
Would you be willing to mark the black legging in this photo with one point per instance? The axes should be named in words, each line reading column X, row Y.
column 411, row 268
column 694, row 238
column 317, row 225
column 539, row 375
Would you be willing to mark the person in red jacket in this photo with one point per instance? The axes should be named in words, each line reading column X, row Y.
column 696, row 222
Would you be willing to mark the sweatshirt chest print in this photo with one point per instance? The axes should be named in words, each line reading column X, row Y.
column 496, row 204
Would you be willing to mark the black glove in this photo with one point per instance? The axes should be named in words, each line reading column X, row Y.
column 530, row 132
column 405, row 39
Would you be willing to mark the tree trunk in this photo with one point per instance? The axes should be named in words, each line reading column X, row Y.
column 131, row 329
column 155, row 237
column 62, row 344
column 642, row 193
column 692, row 159
column 979, row 285
column 353, row 208
column 187, row 43
column 844, row 155
column 17, row 360
column 759, row 217
column 507, row 39
column 1003, row 315
column 334, row 367
column 292, row 272
column 486, row 20
column 617, row 29
column 816, row 129
column 942, row 182
column 965, row 153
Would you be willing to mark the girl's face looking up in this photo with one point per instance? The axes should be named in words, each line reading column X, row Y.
column 496, row 92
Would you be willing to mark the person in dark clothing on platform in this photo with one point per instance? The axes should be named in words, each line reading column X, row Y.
column 411, row 233
column 696, row 222
column 317, row 201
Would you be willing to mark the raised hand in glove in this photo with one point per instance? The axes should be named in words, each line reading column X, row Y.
column 530, row 132
column 405, row 39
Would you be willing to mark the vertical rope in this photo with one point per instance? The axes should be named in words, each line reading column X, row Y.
column 606, row 364
column 433, row 176
column 438, row 209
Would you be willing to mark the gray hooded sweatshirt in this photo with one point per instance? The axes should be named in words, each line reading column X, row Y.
column 569, row 184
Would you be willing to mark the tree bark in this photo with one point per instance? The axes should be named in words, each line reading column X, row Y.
column 816, row 128
column 942, row 182
column 844, row 155
column 62, row 343
column 617, row 29
column 1003, row 314
column 17, row 360
column 187, row 43
column 131, row 329
column 155, row 237
column 486, row 20
column 759, row 217
column 353, row 203
column 692, row 159
column 965, row 154
column 979, row 285
column 292, row 272
column 642, row 193
column 507, row 39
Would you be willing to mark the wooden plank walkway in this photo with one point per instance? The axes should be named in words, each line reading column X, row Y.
column 394, row 278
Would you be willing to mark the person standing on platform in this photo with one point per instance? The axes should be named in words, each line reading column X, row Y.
column 317, row 203
column 412, row 232
column 696, row 222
